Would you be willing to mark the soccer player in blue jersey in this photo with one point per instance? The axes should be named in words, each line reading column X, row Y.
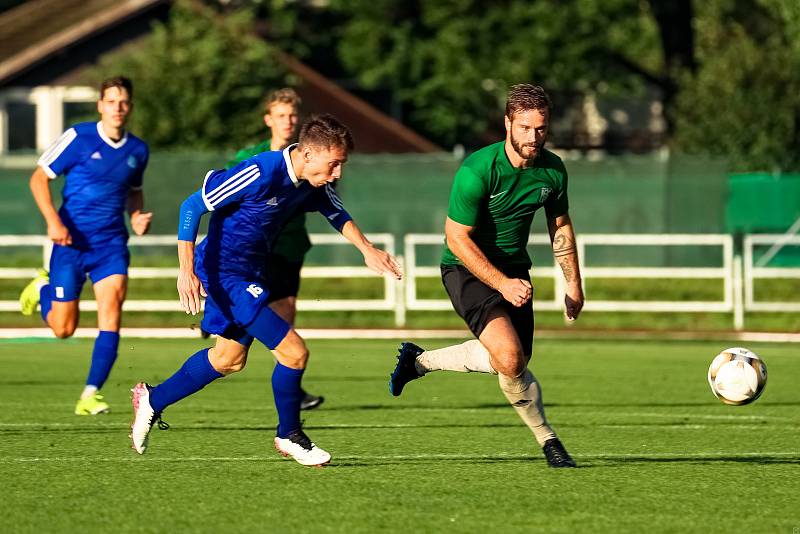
column 250, row 203
column 103, row 164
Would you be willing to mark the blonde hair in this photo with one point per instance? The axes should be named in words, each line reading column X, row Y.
column 285, row 95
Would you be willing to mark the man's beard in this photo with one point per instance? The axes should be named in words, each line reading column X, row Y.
column 518, row 148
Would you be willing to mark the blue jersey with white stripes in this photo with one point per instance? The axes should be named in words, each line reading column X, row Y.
column 99, row 175
column 250, row 203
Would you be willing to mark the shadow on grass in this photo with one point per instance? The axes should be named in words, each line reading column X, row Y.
column 698, row 460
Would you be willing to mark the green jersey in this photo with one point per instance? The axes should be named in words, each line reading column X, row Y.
column 293, row 241
column 499, row 201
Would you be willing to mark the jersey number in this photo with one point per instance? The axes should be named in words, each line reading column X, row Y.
column 254, row 290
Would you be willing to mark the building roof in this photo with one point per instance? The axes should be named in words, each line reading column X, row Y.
column 36, row 30
column 44, row 42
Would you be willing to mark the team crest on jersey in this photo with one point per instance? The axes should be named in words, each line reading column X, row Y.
column 544, row 194
column 132, row 163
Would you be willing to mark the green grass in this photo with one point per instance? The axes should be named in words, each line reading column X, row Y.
column 657, row 452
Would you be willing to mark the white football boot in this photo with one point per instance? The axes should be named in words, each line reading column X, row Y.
column 302, row 449
column 144, row 417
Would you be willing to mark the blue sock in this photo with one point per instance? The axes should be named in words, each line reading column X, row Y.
column 195, row 374
column 287, row 392
column 103, row 357
column 45, row 300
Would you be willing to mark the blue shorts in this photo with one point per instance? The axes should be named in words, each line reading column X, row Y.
column 69, row 267
column 236, row 308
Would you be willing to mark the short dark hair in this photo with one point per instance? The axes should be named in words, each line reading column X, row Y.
column 116, row 81
column 325, row 131
column 525, row 97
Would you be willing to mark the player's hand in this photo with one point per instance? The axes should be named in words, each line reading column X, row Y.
column 516, row 291
column 190, row 290
column 382, row 262
column 59, row 233
column 573, row 300
column 140, row 222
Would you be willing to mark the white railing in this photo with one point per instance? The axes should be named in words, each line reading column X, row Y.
column 390, row 301
column 727, row 272
column 737, row 293
column 753, row 272
column 724, row 272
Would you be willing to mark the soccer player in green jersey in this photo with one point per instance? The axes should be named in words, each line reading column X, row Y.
column 282, row 115
column 485, row 265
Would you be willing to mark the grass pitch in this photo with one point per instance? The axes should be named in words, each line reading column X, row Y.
column 657, row 452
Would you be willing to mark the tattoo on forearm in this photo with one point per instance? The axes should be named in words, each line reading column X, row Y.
column 566, row 254
column 562, row 245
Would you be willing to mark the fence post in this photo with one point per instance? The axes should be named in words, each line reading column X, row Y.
column 738, row 297
column 400, row 297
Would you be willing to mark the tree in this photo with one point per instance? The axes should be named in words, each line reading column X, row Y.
column 451, row 61
column 743, row 101
column 198, row 79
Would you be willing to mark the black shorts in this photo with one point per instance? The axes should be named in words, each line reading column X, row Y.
column 282, row 277
column 473, row 301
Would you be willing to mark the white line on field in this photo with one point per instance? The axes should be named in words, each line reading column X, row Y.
column 731, row 417
column 595, row 456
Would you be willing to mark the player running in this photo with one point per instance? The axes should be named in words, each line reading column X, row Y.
column 485, row 265
column 104, row 166
column 282, row 272
column 250, row 203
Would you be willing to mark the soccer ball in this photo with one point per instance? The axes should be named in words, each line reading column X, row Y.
column 737, row 376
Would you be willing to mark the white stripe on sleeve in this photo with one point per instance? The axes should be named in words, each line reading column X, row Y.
column 243, row 182
column 55, row 150
column 203, row 191
column 233, row 181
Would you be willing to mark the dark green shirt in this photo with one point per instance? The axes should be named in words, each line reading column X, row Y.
column 499, row 201
column 293, row 241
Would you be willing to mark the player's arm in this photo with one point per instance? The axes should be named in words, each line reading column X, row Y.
column 326, row 201
column 40, row 187
column 376, row 259
column 514, row 290
column 140, row 220
column 565, row 251
column 189, row 287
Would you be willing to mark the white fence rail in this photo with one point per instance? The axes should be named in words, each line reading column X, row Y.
column 753, row 272
column 726, row 272
column 389, row 302
column 736, row 298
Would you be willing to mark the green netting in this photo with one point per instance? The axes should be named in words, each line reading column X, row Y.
column 401, row 194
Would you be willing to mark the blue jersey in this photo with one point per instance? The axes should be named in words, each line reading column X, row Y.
column 250, row 203
column 100, row 173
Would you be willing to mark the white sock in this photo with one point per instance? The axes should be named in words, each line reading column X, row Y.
column 88, row 391
column 525, row 396
column 468, row 357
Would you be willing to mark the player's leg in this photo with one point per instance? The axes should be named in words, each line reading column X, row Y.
column 291, row 354
column 508, row 335
column 286, row 308
column 283, row 284
column 200, row 369
column 58, row 292
column 109, row 293
column 468, row 357
column 472, row 300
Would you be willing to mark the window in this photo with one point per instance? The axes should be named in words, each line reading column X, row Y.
column 21, row 126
